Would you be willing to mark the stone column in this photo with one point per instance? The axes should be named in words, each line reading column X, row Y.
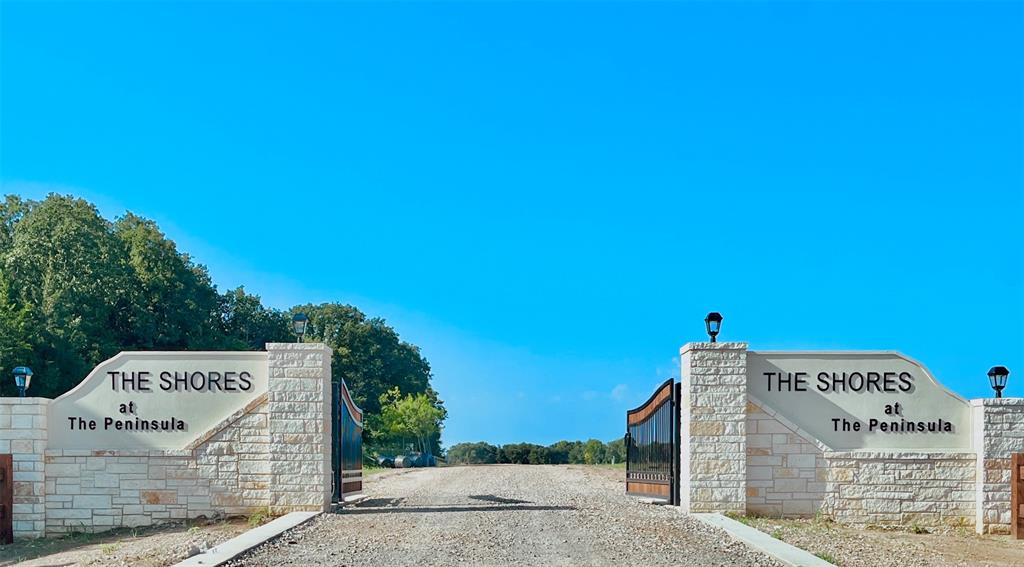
column 713, row 428
column 998, row 433
column 299, row 415
column 23, row 434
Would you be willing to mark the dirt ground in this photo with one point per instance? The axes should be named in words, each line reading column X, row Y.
column 143, row 547
column 854, row 547
column 503, row 515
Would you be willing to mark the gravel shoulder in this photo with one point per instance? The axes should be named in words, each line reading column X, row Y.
column 855, row 547
column 503, row 515
column 143, row 547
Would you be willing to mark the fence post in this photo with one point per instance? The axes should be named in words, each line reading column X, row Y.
column 6, row 499
column 1017, row 496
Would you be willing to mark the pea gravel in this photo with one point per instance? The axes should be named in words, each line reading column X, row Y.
column 503, row 515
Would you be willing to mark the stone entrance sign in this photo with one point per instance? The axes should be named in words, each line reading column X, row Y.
column 861, row 400
column 155, row 400
column 860, row 437
column 148, row 437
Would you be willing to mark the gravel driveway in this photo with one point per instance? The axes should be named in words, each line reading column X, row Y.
column 503, row 515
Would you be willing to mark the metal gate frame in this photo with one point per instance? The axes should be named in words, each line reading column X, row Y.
column 645, row 470
column 346, row 444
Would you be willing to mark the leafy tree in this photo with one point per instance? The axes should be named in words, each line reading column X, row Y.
column 177, row 304
column 248, row 325
column 473, row 454
column 412, row 416
column 615, row 451
column 593, row 452
column 15, row 348
column 371, row 358
column 65, row 265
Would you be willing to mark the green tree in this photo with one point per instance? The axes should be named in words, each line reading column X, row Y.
column 593, row 452
column 615, row 451
column 248, row 325
column 371, row 358
column 67, row 268
column 15, row 349
column 410, row 417
column 480, row 453
column 177, row 305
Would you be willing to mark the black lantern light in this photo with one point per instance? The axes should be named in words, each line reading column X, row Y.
column 997, row 378
column 22, row 379
column 714, row 324
column 299, row 322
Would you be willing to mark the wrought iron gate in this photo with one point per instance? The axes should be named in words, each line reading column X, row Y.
column 347, row 445
column 652, row 445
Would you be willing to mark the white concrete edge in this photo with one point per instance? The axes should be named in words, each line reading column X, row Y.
column 756, row 539
column 232, row 548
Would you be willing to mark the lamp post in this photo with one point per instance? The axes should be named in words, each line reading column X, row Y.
column 299, row 322
column 22, row 379
column 997, row 379
column 713, row 322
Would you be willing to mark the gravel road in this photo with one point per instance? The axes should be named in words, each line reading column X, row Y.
column 503, row 515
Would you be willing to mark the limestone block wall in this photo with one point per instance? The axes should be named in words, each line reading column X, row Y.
column 713, row 415
column 299, row 408
column 786, row 469
column 23, row 435
column 900, row 488
column 998, row 433
column 225, row 472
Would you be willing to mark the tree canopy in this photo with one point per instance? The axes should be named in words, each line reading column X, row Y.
column 591, row 452
column 76, row 289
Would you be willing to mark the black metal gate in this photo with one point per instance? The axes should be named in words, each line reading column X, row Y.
column 652, row 445
column 347, row 444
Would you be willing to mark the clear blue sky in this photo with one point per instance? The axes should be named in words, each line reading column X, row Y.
column 549, row 197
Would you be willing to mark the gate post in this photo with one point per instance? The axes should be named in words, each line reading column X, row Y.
column 299, row 414
column 713, row 476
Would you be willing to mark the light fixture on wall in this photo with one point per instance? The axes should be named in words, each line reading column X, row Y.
column 713, row 322
column 22, row 379
column 299, row 323
column 997, row 378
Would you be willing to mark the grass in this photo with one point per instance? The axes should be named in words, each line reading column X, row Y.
column 259, row 517
column 777, row 534
column 616, row 466
column 824, row 556
column 109, row 548
column 741, row 518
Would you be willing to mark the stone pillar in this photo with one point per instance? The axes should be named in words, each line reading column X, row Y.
column 713, row 428
column 23, row 434
column 998, row 425
column 299, row 415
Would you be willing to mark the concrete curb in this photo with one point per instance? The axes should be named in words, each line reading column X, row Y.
column 755, row 538
column 232, row 548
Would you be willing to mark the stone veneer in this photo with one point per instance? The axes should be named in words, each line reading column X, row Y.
column 714, row 427
column 23, row 435
column 272, row 454
column 998, row 433
column 786, row 469
column 900, row 487
column 739, row 455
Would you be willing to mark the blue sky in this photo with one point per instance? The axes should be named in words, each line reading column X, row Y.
column 548, row 197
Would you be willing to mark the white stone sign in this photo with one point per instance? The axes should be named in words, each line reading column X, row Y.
column 863, row 400
column 155, row 400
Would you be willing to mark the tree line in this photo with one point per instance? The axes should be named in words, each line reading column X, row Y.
column 76, row 289
column 591, row 452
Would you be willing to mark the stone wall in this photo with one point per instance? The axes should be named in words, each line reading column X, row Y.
column 23, row 435
column 225, row 472
column 786, row 469
column 273, row 454
column 900, row 488
column 998, row 433
column 300, row 426
column 713, row 416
